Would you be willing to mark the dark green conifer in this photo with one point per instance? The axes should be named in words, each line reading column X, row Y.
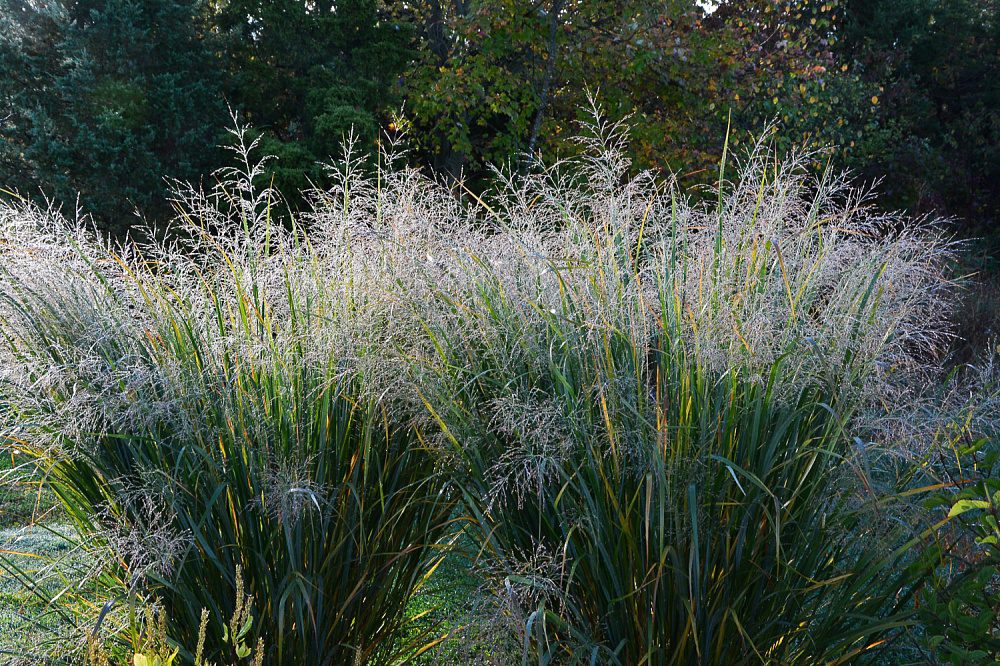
column 105, row 98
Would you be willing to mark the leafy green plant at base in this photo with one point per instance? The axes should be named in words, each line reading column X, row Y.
column 960, row 606
column 152, row 647
column 196, row 411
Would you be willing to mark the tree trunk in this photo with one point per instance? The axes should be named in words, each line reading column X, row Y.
column 546, row 84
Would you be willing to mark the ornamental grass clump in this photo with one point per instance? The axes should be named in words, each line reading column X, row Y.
column 651, row 406
column 200, row 407
column 651, row 410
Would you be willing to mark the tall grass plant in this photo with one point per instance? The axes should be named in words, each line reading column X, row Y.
column 653, row 409
column 195, row 405
column 656, row 414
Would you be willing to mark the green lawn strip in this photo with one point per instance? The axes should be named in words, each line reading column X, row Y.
column 23, row 504
column 24, row 499
column 455, row 612
column 42, row 554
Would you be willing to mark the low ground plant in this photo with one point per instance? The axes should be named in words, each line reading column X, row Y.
column 959, row 606
column 150, row 645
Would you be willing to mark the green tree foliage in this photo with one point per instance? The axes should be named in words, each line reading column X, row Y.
column 906, row 91
column 104, row 98
column 936, row 136
column 497, row 78
column 475, row 90
column 308, row 73
column 783, row 69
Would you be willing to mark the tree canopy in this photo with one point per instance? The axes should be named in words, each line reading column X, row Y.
column 309, row 74
column 105, row 96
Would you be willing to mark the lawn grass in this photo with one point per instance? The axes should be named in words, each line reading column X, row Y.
column 456, row 612
column 24, row 500
column 34, row 538
column 43, row 553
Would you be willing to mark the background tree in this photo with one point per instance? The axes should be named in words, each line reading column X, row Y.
column 497, row 79
column 104, row 98
column 473, row 91
column 307, row 73
column 936, row 136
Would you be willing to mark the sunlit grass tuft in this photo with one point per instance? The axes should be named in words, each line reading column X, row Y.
column 651, row 406
column 194, row 407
